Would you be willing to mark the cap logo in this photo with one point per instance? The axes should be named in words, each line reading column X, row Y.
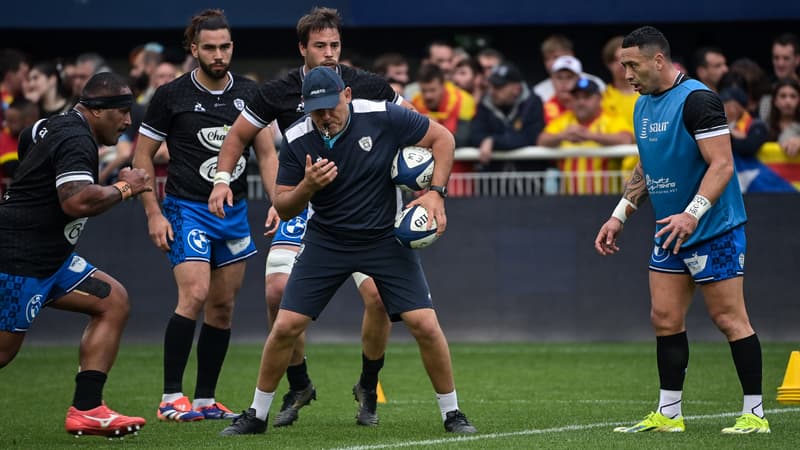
column 317, row 91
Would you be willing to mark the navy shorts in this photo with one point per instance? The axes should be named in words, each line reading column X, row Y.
column 202, row 236
column 22, row 298
column 319, row 271
column 714, row 260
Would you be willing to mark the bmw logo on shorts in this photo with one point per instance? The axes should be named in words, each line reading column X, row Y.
column 198, row 241
column 33, row 307
column 294, row 228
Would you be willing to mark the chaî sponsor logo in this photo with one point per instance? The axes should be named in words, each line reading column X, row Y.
column 212, row 137
column 73, row 230
column 209, row 168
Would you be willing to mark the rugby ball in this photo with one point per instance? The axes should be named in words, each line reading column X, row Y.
column 411, row 228
column 412, row 168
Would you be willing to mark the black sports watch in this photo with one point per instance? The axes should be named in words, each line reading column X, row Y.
column 441, row 190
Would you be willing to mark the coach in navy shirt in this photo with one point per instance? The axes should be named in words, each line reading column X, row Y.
column 338, row 158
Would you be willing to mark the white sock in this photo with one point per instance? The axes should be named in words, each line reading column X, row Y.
column 447, row 403
column 261, row 403
column 669, row 403
column 202, row 403
column 171, row 398
column 753, row 404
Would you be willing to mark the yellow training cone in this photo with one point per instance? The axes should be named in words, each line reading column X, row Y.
column 787, row 393
column 382, row 397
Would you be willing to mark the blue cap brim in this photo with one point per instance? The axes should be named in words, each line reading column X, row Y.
column 325, row 102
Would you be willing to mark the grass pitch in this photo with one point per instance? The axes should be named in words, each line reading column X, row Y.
column 561, row 396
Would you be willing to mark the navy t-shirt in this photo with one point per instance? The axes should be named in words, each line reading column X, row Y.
column 360, row 205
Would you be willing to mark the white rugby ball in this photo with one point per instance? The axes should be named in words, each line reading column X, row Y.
column 412, row 168
column 411, row 228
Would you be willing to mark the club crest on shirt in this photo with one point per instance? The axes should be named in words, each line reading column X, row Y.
column 365, row 143
column 238, row 104
column 198, row 107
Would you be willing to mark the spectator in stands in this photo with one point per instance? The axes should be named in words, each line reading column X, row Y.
column 586, row 124
column 489, row 58
column 552, row 49
column 709, row 66
column 392, row 66
column 566, row 71
column 748, row 134
column 14, row 68
column 144, row 60
column 748, row 75
column 444, row 102
column 784, row 119
column 785, row 62
column 508, row 117
column 45, row 88
column 449, row 105
column 86, row 65
column 468, row 75
column 21, row 114
column 439, row 53
column 164, row 73
column 619, row 96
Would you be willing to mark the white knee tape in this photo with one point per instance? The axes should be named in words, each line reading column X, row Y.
column 359, row 278
column 280, row 261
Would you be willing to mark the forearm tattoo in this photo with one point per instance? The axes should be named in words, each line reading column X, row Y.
column 67, row 190
column 636, row 188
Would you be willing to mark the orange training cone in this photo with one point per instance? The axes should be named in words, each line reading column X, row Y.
column 789, row 392
column 382, row 397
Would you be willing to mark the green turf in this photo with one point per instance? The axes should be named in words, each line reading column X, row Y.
column 518, row 395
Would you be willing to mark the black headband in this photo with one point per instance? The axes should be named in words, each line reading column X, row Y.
column 107, row 102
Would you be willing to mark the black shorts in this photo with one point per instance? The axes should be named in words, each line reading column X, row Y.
column 319, row 271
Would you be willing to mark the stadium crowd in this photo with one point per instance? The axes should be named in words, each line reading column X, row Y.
column 482, row 98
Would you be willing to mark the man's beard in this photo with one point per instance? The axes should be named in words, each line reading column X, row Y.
column 216, row 74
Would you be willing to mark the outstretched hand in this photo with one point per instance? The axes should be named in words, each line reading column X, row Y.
column 606, row 241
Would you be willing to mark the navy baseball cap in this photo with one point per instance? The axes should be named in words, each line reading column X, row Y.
column 585, row 85
column 321, row 88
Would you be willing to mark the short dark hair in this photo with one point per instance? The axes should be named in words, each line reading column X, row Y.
column 10, row 60
column 386, row 60
column 209, row 19
column 788, row 39
column 430, row 72
column 318, row 19
column 702, row 52
column 104, row 84
column 645, row 37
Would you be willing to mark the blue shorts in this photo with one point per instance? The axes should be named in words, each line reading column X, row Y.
column 714, row 260
column 202, row 236
column 292, row 231
column 21, row 298
column 319, row 271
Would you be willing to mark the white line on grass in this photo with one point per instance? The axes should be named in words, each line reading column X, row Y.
column 479, row 437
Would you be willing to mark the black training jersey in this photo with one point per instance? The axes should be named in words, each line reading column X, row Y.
column 194, row 121
column 281, row 99
column 36, row 236
column 359, row 206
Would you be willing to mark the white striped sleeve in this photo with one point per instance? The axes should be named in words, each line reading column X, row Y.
column 68, row 177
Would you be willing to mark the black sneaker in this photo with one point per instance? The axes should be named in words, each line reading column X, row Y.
column 367, row 404
column 457, row 422
column 292, row 402
column 246, row 423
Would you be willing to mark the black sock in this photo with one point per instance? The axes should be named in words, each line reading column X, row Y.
column 212, row 345
column 747, row 358
column 88, row 390
column 298, row 376
column 672, row 353
column 177, row 346
column 369, row 372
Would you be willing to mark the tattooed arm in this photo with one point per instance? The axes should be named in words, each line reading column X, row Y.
column 635, row 194
column 85, row 199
